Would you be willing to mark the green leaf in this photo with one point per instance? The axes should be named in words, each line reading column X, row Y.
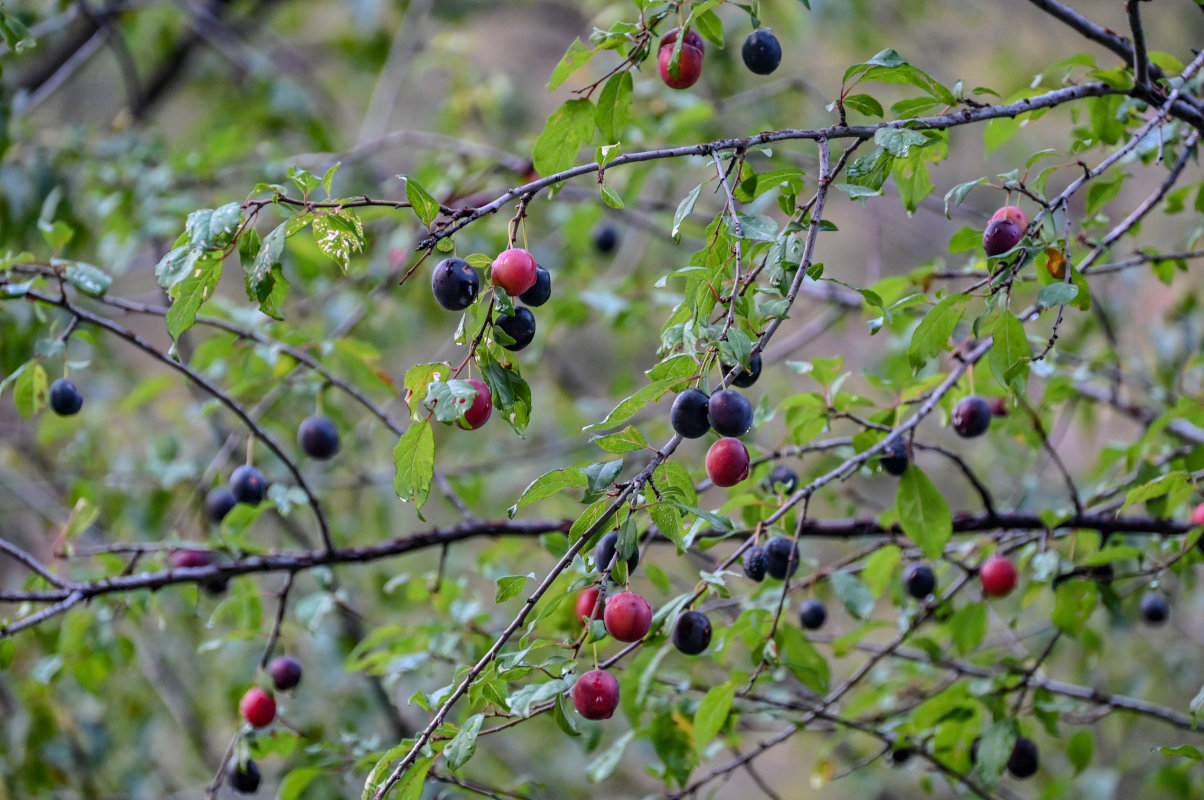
column 522, row 701
column 511, row 394
column 864, row 104
column 600, row 476
column 1056, row 294
column 297, row 781
column 881, row 568
column 667, row 519
column 260, row 277
column 923, row 513
column 338, row 235
column 569, row 128
column 412, row 782
column 450, row 400
column 30, row 391
column 801, row 658
column 969, row 627
column 609, row 759
column 566, row 721
column 576, row 57
column 425, row 206
column 958, row 193
column 414, row 461
column 509, row 587
column 623, row 441
column 87, row 278
column 464, row 744
column 611, row 197
column 931, row 336
column 711, row 715
column 176, row 265
column 213, row 228
column 1010, row 353
column 899, row 141
column 1183, row 750
column 853, row 593
column 629, row 407
column 547, row 485
column 191, row 294
column 1073, row 603
column 684, row 208
column 614, row 106
column 1080, row 749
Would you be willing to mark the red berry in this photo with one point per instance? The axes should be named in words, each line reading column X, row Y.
column 482, row 406
column 727, row 462
column 628, row 616
column 998, row 576
column 258, row 707
column 596, row 694
column 688, row 68
column 1197, row 515
column 588, row 606
column 515, row 271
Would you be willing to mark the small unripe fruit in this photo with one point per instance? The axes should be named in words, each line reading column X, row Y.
column 999, row 406
column 755, row 563
column 455, row 284
column 727, row 462
column 692, row 633
column 596, row 694
column 318, row 437
column 606, row 238
column 514, row 270
column 1197, row 515
column 519, row 326
column 588, row 606
column 895, row 458
column 971, row 417
column 219, row 502
column 482, row 406
column 782, row 557
column 688, row 69
column 248, row 485
column 998, row 576
column 1023, row 762
column 243, row 778
column 688, row 416
column 541, row 292
column 258, row 707
column 919, row 580
column 730, row 413
column 1001, row 236
column 605, row 552
column 812, row 614
column 1154, row 608
column 746, row 377
column 1013, row 213
column 782, row 480
column 285, row 672
column 65, row 399
column 628, row 616
column 761, row 52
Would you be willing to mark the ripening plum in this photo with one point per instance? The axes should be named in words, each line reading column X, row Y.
column 727, row 462
column 596, row 694
column 514, row 270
